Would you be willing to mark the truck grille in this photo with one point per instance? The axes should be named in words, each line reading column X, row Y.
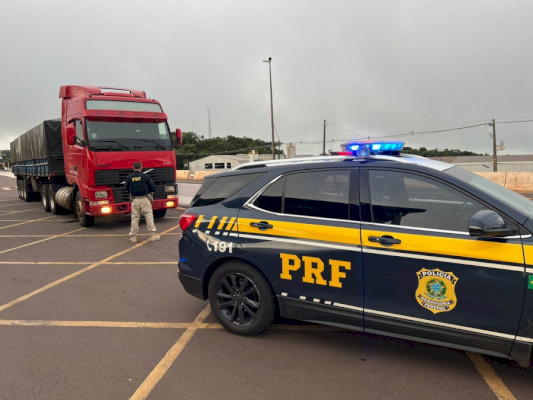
column 115, row 178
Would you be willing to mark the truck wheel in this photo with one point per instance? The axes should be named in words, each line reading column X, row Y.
column 160, row 213
column 54, row 207
column 27, row 193
column 79, row 211
column 19, row 187
column 44, row 196
column 241, row 299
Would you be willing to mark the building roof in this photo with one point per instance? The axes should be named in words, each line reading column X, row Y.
column 484, row 159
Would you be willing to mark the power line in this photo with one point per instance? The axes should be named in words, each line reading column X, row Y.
column 417, row 133
column 344, row 129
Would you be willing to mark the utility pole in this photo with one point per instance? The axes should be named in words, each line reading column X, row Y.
column 269, row 61
column 494, row 150
column 324, row 141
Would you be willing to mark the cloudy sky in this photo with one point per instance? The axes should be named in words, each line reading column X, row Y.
column 369, row 68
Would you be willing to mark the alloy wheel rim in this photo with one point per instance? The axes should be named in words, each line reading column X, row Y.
column 238, row 299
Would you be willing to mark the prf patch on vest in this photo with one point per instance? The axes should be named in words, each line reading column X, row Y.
column 436, row 290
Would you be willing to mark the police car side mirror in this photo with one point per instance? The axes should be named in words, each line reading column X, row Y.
column 488, row 223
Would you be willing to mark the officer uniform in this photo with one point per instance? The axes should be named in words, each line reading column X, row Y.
column 141, row 187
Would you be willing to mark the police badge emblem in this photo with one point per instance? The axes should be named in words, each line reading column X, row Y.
column 436, row 290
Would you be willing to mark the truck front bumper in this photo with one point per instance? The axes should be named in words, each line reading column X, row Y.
column 125, row 208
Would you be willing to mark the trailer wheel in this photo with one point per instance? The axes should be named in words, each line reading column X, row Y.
column 19, row 187
column 44, row 196
column 27, row 193
column 79, row 211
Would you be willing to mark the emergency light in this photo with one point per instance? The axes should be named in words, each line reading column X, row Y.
column 366, row 148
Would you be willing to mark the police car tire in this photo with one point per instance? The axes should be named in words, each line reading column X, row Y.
column 259, row 299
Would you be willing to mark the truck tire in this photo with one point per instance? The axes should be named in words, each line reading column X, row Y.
column 160, row 213
column 84, row 219
column 27, row 192
column 45, row 187
column 19, row 187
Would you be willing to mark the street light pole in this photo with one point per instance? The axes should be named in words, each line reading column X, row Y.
column 269, row 61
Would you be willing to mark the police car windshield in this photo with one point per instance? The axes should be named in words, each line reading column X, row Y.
column 506, row 196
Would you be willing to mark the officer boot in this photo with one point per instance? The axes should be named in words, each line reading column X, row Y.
column 154, row 237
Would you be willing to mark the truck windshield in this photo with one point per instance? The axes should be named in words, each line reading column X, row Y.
column 128, row 136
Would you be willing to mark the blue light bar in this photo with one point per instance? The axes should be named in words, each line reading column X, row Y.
column 375, row 147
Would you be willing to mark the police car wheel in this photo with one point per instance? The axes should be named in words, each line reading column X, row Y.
column 241, row 299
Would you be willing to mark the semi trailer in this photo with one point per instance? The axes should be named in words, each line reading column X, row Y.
column 79, row 163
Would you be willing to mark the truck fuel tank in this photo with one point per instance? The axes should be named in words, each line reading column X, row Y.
column 64, row 197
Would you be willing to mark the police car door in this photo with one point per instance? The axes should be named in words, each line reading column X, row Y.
column 424, row 276
column 303, row 232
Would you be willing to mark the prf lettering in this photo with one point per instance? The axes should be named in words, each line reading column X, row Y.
column 313, row 269
column 135, row 178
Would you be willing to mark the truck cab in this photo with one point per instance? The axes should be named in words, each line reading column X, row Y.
column 104, row 132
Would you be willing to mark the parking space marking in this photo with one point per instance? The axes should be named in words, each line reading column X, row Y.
column 88, row 262
column 488, row 374
column 74, row 274
column 28, row 221
column 83, row 235
column 491, row 378
column 97, row 324
column 46, row 262
column 39, row 241
column 4, row 213
column 166, row 362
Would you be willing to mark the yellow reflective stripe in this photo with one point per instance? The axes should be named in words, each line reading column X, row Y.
column 212, row 222
column 231, row 224
column 323, row 233
column 467, row 248
column 528, row 253
column 198, row 221
column 222, row 222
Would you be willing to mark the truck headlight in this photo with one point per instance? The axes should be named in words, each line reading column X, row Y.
column 170, row 188
column 101, row 194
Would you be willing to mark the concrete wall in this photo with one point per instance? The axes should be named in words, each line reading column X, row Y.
column 522, row 166
column 521, row 182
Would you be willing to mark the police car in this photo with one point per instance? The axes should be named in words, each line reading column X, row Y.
column 370, row 239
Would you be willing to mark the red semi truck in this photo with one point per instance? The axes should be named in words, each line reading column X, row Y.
column 79, row 163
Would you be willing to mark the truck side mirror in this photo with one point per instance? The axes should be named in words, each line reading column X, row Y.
column 71, row 134
column 178, row 137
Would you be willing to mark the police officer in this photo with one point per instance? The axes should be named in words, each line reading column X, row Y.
column 141, row 188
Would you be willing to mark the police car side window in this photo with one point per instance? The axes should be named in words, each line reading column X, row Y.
column 215, row 190
column 318, row 194
column 270, row 199
column 402, row 198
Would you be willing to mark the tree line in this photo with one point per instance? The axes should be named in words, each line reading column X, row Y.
column 422, row 151
column 195, row 147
